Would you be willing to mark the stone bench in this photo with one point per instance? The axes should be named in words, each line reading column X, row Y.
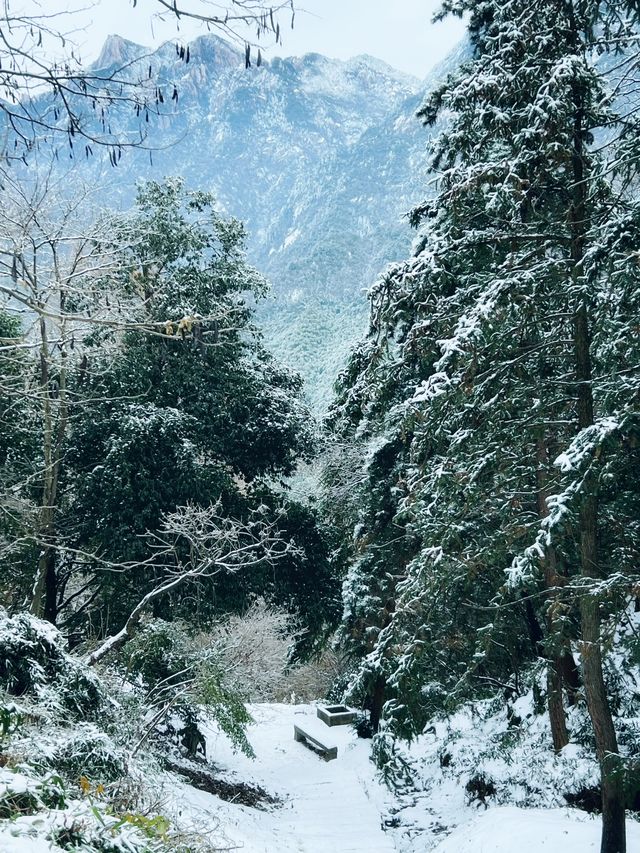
column 314, row 738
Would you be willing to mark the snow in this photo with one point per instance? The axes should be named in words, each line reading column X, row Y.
column 15, row 783
column 36, row 833
column 583, row 451
column 291, row 237
column 326, row 806
column 21, row 844
column 499, row 830
column 342, row 805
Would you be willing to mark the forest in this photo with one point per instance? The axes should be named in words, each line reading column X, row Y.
column 451, row 550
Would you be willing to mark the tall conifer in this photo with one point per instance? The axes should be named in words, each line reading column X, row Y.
column 508, row 337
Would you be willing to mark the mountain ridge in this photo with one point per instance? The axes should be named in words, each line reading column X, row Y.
column 321, row 158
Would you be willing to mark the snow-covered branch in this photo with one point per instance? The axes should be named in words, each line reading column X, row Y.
column 197, row 542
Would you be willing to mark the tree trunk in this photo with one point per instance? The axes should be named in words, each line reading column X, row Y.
column 132, row 625
column 536, row 637
column 555, row 705
column 44, row 584
column 612, row 772
column 611, row 768
column 570, row 676
column 44, row 601
column 613, row 811
column 377, row 702
column 50, row 612
column 557, row 717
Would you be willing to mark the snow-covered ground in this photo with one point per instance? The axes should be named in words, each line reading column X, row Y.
column 342, row 807
column 506, row 829
column 325, row 806
column 339, row 806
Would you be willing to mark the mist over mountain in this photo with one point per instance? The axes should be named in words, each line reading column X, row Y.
column 321, row 159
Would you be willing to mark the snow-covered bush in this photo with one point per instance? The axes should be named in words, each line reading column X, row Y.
column 40, row 814
column 499, row 749
column 255, row 650
column 494, row 750
column 33, row 663
column 85, row 751
column 244, row 658
column 72, row 775
column 60, row 789
column 317, row 678
column 185, row 683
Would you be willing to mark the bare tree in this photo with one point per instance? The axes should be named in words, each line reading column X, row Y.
column 43, row 98
column 47, row 258
column 199, row 543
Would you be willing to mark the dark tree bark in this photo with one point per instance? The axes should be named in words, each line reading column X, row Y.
column 377, row 702
column 534, row 630
column 613, row 809
column 555, row 705
column 55, row 415
column 611, row 768
column 570, row 676
column 50, row 587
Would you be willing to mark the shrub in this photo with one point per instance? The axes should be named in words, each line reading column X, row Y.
column 87, row 752
column 17, row 803
column 183, row 674
column 255, row 650
column 479, row 788
column 33, row 662
column 317, row 678
column 30, row 655
column 10, row 719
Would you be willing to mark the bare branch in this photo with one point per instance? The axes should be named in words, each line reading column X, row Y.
column 201, row 543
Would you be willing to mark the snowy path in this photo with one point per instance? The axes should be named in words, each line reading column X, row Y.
column 327, row 817
column 326, row 806
column 339, row 806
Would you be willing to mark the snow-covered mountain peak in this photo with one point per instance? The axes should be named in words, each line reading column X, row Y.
column 117, row 50
column 364, row 61
column 355, row 79
column 214, row 50
column 320, row 157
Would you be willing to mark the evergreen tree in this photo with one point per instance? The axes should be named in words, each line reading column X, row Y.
column 150, row 390
column 508, row 339
column 18, row 445
column 193, row 409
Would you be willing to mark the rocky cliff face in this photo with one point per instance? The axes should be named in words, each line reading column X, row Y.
column 321, row 158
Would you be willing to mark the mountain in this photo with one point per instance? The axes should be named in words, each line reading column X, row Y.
column 321, row 158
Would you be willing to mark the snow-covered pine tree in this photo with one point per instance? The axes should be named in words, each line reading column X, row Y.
column 509, row 338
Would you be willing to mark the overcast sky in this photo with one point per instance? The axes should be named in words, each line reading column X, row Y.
column 397, row 31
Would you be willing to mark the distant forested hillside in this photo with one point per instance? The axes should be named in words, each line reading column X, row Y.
column 321, row 159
